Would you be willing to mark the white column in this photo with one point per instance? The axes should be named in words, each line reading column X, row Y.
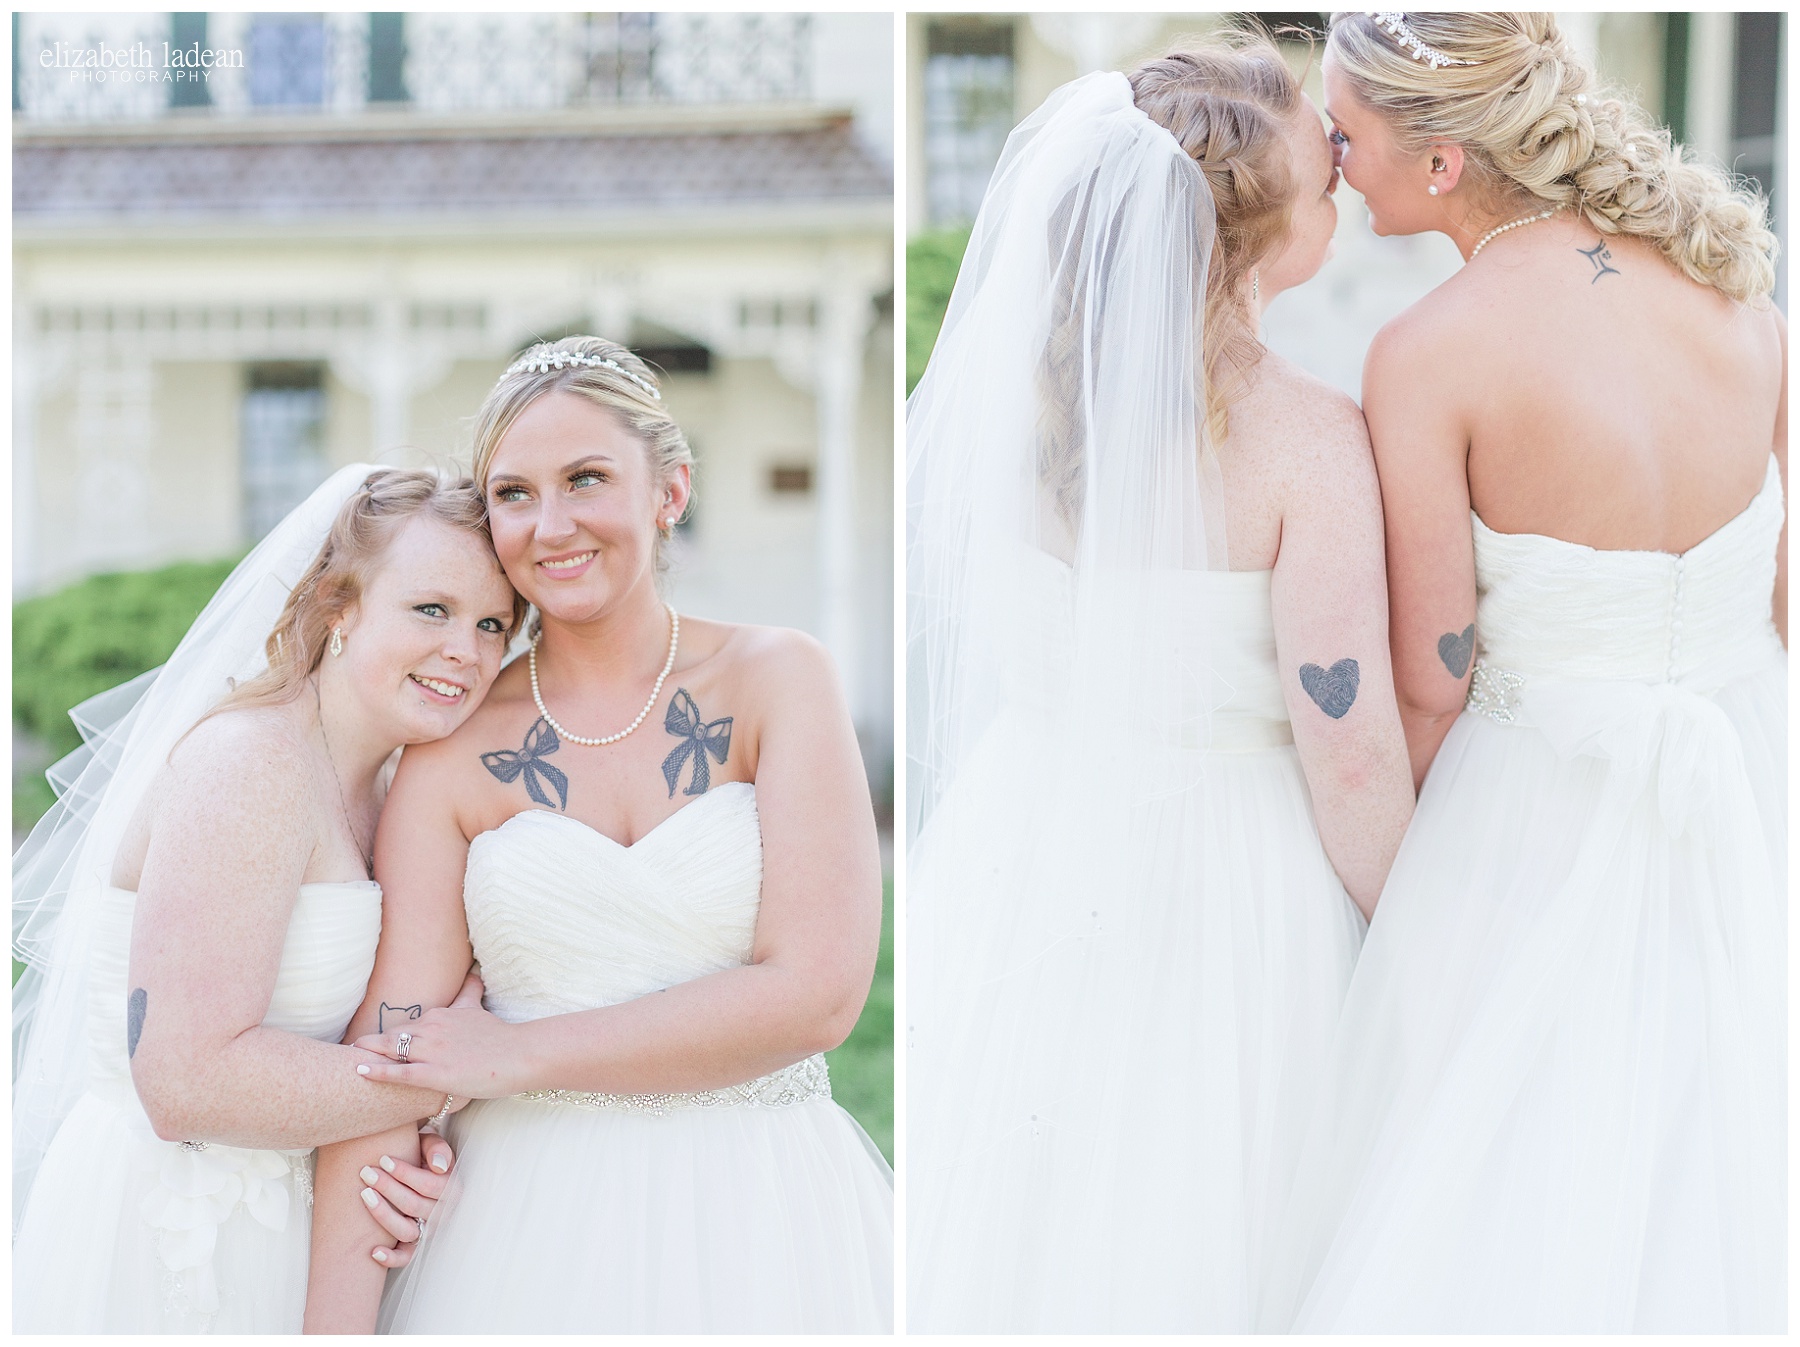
column 844, row 317
column 1712, row 44
column 114, row 435
column 389, row 383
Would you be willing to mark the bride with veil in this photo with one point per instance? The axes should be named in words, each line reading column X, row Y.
column 197, row 922
column 1155, row 763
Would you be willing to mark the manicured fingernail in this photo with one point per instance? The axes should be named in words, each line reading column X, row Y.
column 369, row 1198
column 379, row 1255
column 362, row 1070
column 387, row 1163
column 369, row 1176
column 439, row 1163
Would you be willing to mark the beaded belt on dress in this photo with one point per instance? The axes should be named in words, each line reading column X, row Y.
column 791, row 1085
column 1494, row 693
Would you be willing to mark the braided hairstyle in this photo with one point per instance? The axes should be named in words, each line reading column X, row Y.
column 1536, row 128
column 1227, row 102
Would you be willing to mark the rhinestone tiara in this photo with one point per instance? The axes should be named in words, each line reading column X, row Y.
column 1394, row 25
column 543, row 364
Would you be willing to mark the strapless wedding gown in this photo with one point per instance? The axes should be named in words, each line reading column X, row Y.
column 1117, row 1012
column 127, row 1233
column 1558, row 1099
column 762, row 1208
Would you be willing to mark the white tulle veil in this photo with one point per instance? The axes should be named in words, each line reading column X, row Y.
column 1060, row 421
column 1060, row 486
column 128, row 732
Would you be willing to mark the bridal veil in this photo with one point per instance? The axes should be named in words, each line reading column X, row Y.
column 60, row 872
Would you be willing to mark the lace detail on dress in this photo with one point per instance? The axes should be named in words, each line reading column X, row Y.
column 779, row 1089
column 1494, row 693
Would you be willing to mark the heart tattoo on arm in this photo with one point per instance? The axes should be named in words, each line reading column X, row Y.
column 1333, row 690
column 1455, row 650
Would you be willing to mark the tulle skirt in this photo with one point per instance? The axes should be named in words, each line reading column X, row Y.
column 566, row 1219
column 1121, row 994
column 126, row 1233
column 1558, row 1099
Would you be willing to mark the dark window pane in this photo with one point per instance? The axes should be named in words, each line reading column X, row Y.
column 283, row 442
column 387, row 58
column 186, row 31
column 968, row 114
column 1675, row 74
column 286, row 60
column 1758, row 69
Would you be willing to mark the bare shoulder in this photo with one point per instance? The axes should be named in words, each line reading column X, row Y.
column 263, row 748
column 1420, row 338
column 770, row 662
column 1300, row 426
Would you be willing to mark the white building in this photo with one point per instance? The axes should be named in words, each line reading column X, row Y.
column 1718, row 79
column 322, row 237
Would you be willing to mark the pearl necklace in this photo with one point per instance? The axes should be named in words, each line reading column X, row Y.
column 1501, row 229
column 655, row 692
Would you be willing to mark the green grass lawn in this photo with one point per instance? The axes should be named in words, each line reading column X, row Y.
column 862, row 1070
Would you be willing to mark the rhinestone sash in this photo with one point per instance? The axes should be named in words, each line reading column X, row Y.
column 791, row 1085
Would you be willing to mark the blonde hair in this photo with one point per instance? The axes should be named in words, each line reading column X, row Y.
column 1227, row 102
column 1531, row 120
column 617, row 390
column 360, row 536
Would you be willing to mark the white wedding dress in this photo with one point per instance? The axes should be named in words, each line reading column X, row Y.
column 1120, row 1000
column 1558, row 1100
column 126, row 1233
column 762, row 1208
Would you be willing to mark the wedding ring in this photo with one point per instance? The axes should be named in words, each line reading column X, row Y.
column 403, row 1045
column 420, row 1222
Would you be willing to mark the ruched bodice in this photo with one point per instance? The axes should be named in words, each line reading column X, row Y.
column 324, row 972
column 1558, row 610
column 1220, row 633
column 563, row 918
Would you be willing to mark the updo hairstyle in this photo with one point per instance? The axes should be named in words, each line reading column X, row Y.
column 1535, row 127
column 364, row 529
column 624, row 391
column 1228, row 103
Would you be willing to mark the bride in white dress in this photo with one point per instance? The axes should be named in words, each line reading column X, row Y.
column 656, row 839
column 199, row 923
column 1558, row 1099
column 1152, row 721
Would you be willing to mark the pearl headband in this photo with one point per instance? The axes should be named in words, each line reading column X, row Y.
column 1394, row 25
column 543, row 364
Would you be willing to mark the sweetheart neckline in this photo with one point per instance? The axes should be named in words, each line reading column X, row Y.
column 607, row 837
column 1771, row 476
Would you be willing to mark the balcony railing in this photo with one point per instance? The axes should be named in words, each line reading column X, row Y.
column 139, row 67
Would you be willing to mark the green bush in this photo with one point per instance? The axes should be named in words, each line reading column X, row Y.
column 96, row 634
column 932, row 261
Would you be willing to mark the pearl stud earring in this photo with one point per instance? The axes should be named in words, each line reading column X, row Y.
column 1432, row 189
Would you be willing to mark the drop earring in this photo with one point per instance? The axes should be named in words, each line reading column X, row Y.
column 1256, row 287
column 337, row 641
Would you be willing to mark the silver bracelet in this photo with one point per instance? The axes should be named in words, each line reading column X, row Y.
column 436, row 1120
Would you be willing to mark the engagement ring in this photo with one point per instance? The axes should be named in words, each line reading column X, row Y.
column 402, row 1046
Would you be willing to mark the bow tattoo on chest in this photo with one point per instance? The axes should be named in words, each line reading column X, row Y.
column 540, row 777
column 699, row 737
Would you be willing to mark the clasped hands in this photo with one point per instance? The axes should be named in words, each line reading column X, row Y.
column 461, row 1050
